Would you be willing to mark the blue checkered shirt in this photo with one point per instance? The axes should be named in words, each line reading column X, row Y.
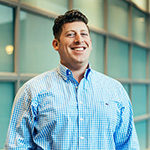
column 54, row 112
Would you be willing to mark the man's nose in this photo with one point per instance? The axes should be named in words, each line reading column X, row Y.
column 78, row 39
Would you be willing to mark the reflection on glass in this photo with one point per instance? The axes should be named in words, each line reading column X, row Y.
column 138, row 63
column 6, row 100
column 97, row 54
column 118, row 17
column 94, row 10
column 57, row 6
column 6, row 38
column 36, row 52
column 141, row 3
column 141, row 133
column 139, row 26
column 117, row 59
column 9, row 49
column 139, row 96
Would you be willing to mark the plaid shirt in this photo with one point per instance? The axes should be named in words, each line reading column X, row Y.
column 54, row 111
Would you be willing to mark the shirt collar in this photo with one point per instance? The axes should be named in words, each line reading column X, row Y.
column 66, row 73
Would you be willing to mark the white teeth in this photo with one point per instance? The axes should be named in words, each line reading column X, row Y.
column 79, row 49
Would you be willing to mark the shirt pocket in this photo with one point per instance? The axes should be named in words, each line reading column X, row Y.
column 107, row 114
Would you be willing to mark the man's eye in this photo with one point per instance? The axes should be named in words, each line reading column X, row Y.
column 70, row 34
column 84, row 34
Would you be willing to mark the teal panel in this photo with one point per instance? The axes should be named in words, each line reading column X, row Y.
column 138, row 26
column 6, row 39
column 148, row 121
column 118, row 17
column 126, row 87
column 6, row 100
column 141, row 133
column 138, row 63
column 117, row 59
column 93, row 9
column 57, row 6
column 139, row 96
column 97, row 55
column 36, row 52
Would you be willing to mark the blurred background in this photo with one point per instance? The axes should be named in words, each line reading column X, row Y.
column 120, row 32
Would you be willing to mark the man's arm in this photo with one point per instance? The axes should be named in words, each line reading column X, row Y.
column 125, row 135
column 20, row 130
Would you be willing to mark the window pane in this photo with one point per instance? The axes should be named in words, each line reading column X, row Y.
column 6, row 100
column 126, row 87
column 117, row 59
column 6, row 39
column 94, row 10
column 139, row 96
column 118, row 17
column 141, row 133
column 57, row 6
column 36, row 52
column 97, row 54
column 139, row 26
column 140, row 3
column 138, row 63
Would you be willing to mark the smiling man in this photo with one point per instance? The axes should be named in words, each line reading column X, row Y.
column 72, row 107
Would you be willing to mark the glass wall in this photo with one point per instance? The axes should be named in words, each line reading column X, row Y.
column 120, row 41
column 6, row 39
column 36, row 44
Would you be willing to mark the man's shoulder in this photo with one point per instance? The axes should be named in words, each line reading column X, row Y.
column 40, row 82
column 103, row 78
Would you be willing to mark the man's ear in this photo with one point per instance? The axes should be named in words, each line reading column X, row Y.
column 55, row 44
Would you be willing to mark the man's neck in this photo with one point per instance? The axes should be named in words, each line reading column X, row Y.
column 77, row 71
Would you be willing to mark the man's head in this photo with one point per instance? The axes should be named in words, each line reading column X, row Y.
column 69, row 16
column 72, row 39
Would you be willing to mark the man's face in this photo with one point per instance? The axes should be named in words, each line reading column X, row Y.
column 74, row 45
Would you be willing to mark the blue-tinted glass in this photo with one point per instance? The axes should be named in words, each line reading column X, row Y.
column 117, row 59
column 139, row 96
column 139, row 26
column 36, row 52
column 148, row 121
column 138, row 63
column 141, row 133
column 126, row 87
column 6, row 39
column 6, row 100
column 118, row 17
column 93, row 9
column 141, row 3
column 57, row 6
column 97, row 54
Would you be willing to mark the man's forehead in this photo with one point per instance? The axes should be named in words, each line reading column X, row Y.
column 76, row 25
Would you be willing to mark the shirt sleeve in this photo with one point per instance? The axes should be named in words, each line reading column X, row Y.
column 20, row 129
column 125, row 135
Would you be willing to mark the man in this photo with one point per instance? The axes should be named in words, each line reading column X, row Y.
column 72, row 107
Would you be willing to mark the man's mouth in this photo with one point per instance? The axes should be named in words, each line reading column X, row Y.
column 78, row 48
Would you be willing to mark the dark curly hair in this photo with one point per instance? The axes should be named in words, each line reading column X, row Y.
column 69, row 16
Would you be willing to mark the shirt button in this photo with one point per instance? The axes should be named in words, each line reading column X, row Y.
column 81, row 137
column 81, row 102
column 81, row 119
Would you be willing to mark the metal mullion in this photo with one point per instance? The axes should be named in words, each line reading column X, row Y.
column 16, row 45
column 70, row 4
column 147, row 123
column 9, row 3
column 37, row 11
column 142, row 118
